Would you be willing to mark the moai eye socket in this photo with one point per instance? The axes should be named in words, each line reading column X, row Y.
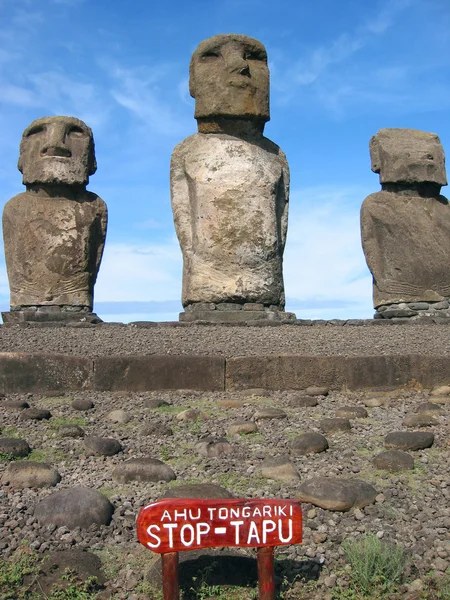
column 256, row 55
column 35, row 130
column 76, row 132
column 210, row 54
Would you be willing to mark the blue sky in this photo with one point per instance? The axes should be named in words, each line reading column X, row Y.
column 340, row 71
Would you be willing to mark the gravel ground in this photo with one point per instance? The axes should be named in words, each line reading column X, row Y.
column 412, row 508
column 230, row 341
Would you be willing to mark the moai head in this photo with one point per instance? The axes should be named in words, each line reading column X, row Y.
column 57, row 150
column 408, row 156
column 229, row 77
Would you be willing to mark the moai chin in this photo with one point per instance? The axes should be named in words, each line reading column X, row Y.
column 405, row 227
column 230, row 188
column 54, row 232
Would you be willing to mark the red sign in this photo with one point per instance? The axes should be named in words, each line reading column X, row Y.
column 174, row 525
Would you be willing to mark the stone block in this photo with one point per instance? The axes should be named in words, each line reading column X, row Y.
column 157, row 372
column 33, row 372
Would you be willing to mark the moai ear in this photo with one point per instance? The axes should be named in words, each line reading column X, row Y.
column 92, row 162
column 374, row 147
column 191, row 79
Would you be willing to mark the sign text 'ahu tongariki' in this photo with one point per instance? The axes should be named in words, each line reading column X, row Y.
column 54, row 232
column 230, row 189
column 406, row 226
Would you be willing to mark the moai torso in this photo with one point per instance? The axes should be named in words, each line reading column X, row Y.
column 406, row 227
column 230, row 184
column 231, row 216
column 53, row 249
column 54, row 233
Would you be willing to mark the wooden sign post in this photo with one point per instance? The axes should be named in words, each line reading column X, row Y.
column 173, row 525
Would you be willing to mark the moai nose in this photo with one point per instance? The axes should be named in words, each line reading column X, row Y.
column 55, row 143
column 236, row 62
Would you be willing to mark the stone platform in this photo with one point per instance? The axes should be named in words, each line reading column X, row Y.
column 45, row 315
column 164, row 356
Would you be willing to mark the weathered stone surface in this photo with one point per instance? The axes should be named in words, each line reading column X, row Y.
column 34, row 414
column 230, row 403
column 258, row 392
column 409, row 440
column 236, row 316
column 155, row 403
column 302, row 401
column 352, row 412
column 314, row 390
column 308, row 443
column 213, row 447
column 192, row 414
column 82, row 404
column 269, row 412
column 440, row 399
column 230, row 184
column 143, row 469
column 33, row 372
column 405, row 228
column 442, row 390
column 159, row 429
column 72, row 431
column 430, row 409
column 374, row 402
column 419, row 420
column 99, row 446
column 74, row 507
column 330, row 425
column 53, row 571
column 29, row 474
column 155, row 372
column 280, row 468
column 197, row 490
column 119, row 416
column 54, row 259
column 14, row 404
column 393, row 461
column 336, row 494
column 14, row 447
column 242, row 427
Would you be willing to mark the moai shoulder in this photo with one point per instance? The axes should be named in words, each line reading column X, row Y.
column 405, row 228
column 54, row 232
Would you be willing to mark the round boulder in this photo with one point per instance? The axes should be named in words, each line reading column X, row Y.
column 34, row 414
column 332, row 425
column 159, row 429
column 302, row 401
column 72, row 431
column 29, row 474
column 393, row 461
column 279, row 468
column 98, row 446
column 419, row 420
column 332, row 493
column 269, row 412
column 82, row 404
column 119, row 416
column 212, row 447
column 352, row 412
column 53, row 571
column 143, row 469
column 242, row 427
column 408, row 440
column 430, row 409
column 259, row 392
column 197, row 490
column 14, row 447
column 74, row 507
column 14, row 404
column 308, row 443
column 314, row 390
column 155, row 403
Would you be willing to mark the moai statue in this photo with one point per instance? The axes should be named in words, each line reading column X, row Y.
column 54, row 232
column 406, row 227
column 230, row 189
